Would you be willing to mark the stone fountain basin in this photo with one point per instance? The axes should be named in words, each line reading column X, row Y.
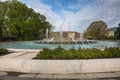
column 59, row 66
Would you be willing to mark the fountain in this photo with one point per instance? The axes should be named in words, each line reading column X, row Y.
column 47, row 33
column 63, row 39
column 52, row 43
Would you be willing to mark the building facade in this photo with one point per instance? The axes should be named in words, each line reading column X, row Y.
column 115, row 31
column 111, row 33
column 65, row 35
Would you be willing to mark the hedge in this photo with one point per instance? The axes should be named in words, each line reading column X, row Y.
column 61, row 53
column 3, row 51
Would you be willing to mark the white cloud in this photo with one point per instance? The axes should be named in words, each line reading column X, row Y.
column 58, row 3
column 8, row 0
column 46, row 10
column 76, row 19
column 106, row 10
column 110, row 12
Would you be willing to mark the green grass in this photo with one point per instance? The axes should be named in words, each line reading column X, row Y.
column 60, row 53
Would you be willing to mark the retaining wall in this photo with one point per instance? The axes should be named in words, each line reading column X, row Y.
column 59, row 66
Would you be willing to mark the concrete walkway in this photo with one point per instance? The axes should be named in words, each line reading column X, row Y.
column 30, row 76
column 93, row 76
column 21, row 55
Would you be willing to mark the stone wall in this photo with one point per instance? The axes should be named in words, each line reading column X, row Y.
column 60, row 66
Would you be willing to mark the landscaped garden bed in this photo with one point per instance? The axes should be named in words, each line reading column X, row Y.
column 61, row 53
column 3, row 51
column 79, row 61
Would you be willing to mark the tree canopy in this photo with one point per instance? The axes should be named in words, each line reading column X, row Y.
column 21, row 21
column 96, row 30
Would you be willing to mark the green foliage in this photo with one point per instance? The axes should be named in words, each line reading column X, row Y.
column 21, row 21
column 45, row 53
column 113, row 52
column 3, row 51
column 96, row 30
column 60, row 53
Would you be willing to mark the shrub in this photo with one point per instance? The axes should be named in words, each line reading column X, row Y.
column 60, row 53
column 3, row 51
column 44, row 54
column 113, row 52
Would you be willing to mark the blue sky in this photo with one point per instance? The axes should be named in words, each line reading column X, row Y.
column 76, row 15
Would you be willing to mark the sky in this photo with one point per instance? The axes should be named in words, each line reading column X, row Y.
column 77, row 15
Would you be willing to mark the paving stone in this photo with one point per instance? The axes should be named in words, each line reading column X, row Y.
column 27, row 75
column 13, row 55
column 25, row 78
column 70, row 76
column 3, row 73
column 27, row 56
column 102, row 75
column 118, row 73
column 43, row 76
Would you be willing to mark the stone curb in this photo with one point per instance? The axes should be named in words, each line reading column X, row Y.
column 60, row 66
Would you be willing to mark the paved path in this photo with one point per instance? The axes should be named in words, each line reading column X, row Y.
column 30, row 55
column 19, row 78
column 20, row 55
column 93, row 76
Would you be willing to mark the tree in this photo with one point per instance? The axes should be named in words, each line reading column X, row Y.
column 96, row 30
column 23, row 22
column 0, row 29
column 0, row 23
column 2, row 12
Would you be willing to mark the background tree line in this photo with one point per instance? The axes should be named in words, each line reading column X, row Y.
column 96, row 30
column 16, row 19
column 99, row 30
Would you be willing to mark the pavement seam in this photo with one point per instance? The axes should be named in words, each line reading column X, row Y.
column 53, row 76
column 117, row 74
column 20, row 55
column 35, row 75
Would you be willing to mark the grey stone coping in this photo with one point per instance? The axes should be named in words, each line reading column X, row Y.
column 59, row 66
column 90, row 76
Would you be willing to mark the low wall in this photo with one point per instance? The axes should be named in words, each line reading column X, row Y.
column 60, row 66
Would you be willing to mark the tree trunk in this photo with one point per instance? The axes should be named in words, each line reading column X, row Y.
column 0, row 29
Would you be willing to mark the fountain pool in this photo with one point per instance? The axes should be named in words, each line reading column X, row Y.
column 34, row 46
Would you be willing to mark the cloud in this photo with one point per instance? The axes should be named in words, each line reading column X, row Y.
column 77, row 19
column 8, row 0
column 106, row 10
column 110, row 12
column 46, row 10
column 58, row 3
column 2, row 0
column 86, row 12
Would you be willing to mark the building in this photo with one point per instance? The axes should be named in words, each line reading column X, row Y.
column 65, row 35
column 115, row 32
column 111, row 33
column 119, row 25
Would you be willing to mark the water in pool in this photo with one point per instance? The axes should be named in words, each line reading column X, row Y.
column 32, row 45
